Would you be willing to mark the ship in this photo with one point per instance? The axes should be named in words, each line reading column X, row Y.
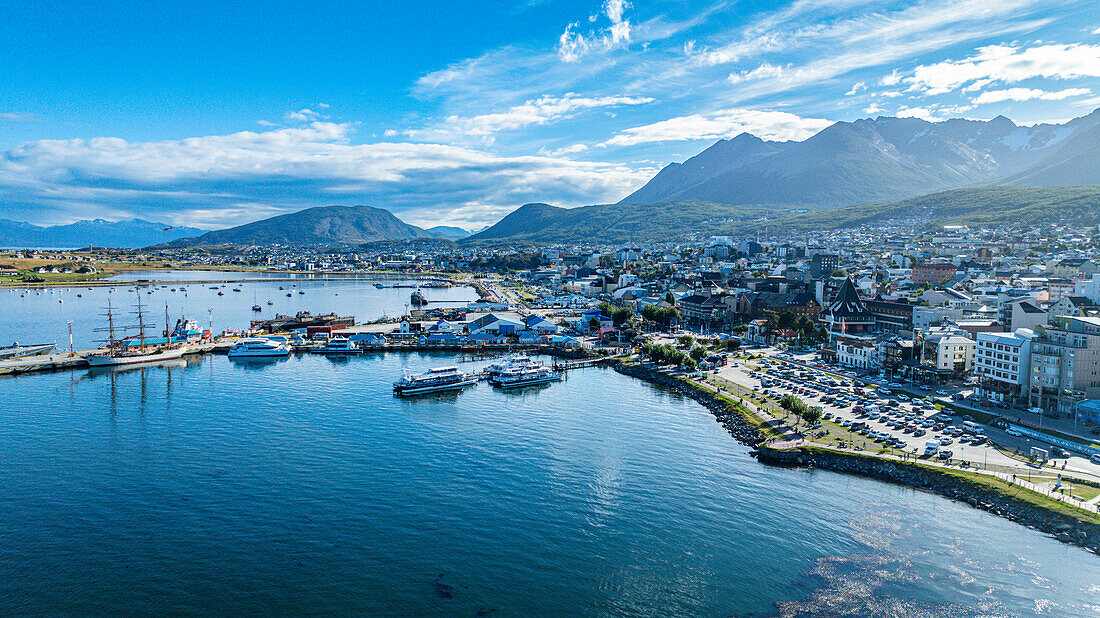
column 136, row 348
column 418, row 299
column 525, row 376
column 17, row 350
column 432, row 381
column 511, row 362
column 260, row 347
column 302, row 319
column 338, row 346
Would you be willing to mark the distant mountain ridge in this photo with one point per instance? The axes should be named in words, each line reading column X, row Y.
column 323, row 225
column 132, row 233
column 882, row 160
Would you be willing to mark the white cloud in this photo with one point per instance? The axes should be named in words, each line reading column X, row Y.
column 302, row 115
column 1028, row 94
column 572, row 44
column 856, row 88
column 766, row 124
column 764, row 71
column 185, row 181
column 18, row 117
column 1008, row 64
column 893, row 79
column 873, row 109
column 564, row 150
column 538, row 111
column 390, row 132
column 923, row 113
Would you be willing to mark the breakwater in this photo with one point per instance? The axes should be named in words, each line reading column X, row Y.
column 983, row 492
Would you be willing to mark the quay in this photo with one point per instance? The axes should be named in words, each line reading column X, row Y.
column 61, row 361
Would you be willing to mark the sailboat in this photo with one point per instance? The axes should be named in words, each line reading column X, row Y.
column 125, row 352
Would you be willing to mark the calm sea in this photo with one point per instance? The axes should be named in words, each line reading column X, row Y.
column 304, row 486
column 42, row 315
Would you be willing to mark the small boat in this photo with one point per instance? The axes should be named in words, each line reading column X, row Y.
column 260, row 347
column 301, row 291
column 270, row 303
column 288, row 295
column 433, row 380
column 220, row 293
column 257, row 308
column 338, row 346
column 16, row 350
column 379, row 286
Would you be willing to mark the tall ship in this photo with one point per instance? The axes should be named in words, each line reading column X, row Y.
column 260, row 347
column 433, row 380
column 135, row 348
column 516, row 377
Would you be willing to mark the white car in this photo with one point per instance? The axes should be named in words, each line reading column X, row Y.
column 941, row 393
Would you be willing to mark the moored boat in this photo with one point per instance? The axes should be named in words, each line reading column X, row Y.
column 433, row 380
column 16, row 350
column 338, row 346
column 260, row 347
column 525, row 376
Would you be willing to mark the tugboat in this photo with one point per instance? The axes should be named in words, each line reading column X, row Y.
column 433, row 380
column 418, row 299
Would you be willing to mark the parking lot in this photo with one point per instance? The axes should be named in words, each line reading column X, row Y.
column 869, row 416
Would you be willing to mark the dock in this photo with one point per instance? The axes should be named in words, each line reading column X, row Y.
column 61, row 361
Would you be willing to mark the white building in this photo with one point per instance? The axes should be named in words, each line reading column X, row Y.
column 1001, row 363
column 1089, row 289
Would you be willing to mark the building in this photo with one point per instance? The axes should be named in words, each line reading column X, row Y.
column 849, row 324
column 1089, row 289
column 1065, row 363
column 1001, row 364
column 892, row 316
column 1075, row 268
column 823, row 265
column 933, row 273
column 702, row 308
column 943, row 353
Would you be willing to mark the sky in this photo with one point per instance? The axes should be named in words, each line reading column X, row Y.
column 455, row 113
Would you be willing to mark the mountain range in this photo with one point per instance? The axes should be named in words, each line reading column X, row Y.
column 94, row 232
column 882, row 160
column 323, row 225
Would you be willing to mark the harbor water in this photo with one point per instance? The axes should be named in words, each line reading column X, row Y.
column 40, row 315
column 304, row 486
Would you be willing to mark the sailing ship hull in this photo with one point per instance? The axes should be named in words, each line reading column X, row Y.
column 106, row 360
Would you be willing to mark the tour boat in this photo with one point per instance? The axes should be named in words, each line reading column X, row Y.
column 260, row 347
column 525, row 376
column 511, row 362
column 433, row 380
column 339, row 346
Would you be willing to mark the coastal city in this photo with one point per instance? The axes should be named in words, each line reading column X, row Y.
column 968, row 347
column 550, row 308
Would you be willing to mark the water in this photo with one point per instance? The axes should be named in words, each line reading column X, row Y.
column 207, row 486
column 41, row 315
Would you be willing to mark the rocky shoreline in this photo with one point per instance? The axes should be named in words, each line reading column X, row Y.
column 1064, row 527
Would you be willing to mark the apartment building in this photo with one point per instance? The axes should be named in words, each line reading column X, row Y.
column 1002, row 362
column 1065, row 363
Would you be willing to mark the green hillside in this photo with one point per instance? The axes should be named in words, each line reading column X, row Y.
column 983, row 206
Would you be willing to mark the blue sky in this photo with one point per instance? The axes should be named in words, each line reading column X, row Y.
column 214, row 114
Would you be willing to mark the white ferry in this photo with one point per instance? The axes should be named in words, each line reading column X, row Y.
column 515, row 361
column 260, row 347
column 338, row 346
column 525, row 376
column 433, row 380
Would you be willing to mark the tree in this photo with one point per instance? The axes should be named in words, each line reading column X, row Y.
column 812, row 414
column 593, row 324
column 732, row 345
column 621, row 316
column 689, row 364
column 669, row 298
column 685, row 341
column 698, row 353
